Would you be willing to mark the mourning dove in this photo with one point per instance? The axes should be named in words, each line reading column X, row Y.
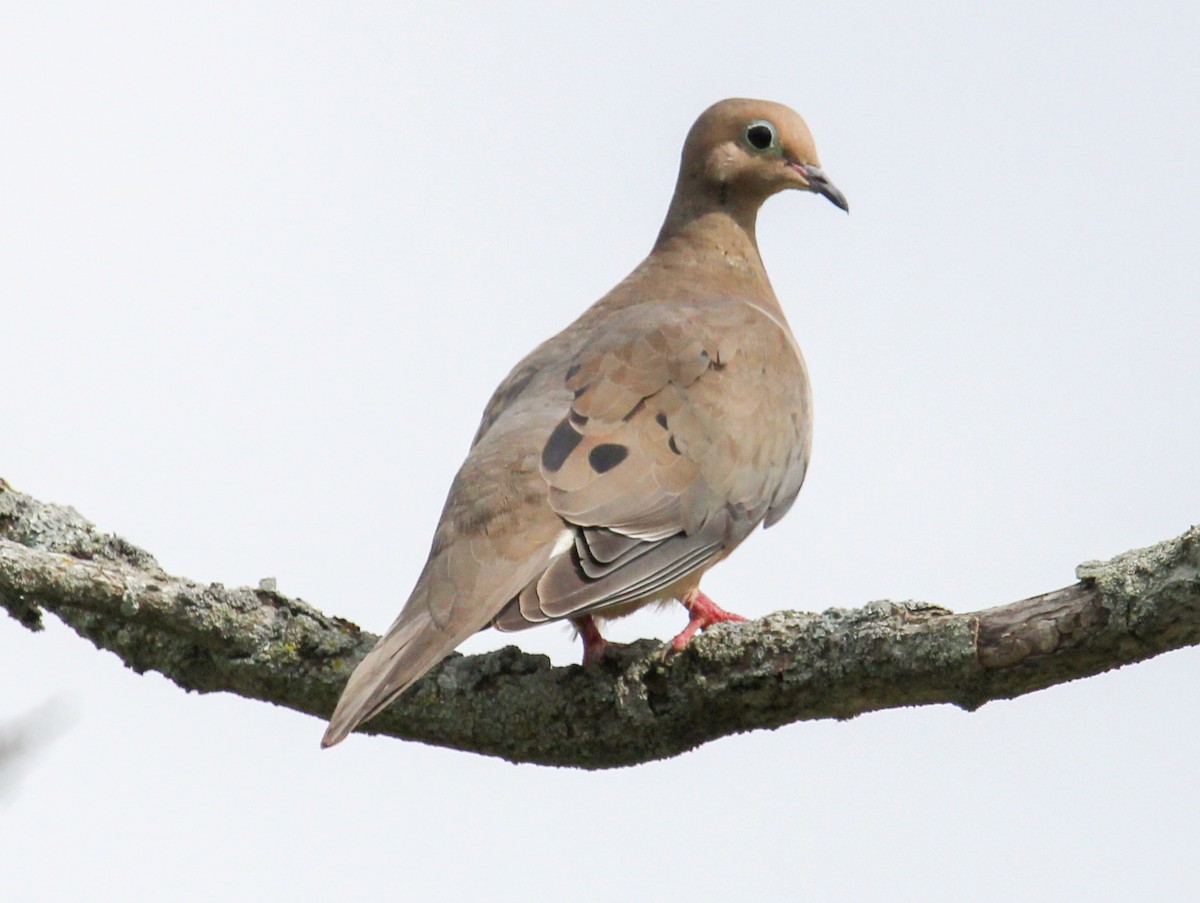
column 632, row 451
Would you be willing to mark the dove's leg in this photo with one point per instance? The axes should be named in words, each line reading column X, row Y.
column 593, row 643
column 704, row 613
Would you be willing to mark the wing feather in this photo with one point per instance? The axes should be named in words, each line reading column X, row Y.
column 668, row 455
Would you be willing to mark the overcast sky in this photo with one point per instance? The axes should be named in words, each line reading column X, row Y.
column 262, row 264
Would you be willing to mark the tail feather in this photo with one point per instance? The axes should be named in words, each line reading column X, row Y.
column 443, row 610
column 411, row 647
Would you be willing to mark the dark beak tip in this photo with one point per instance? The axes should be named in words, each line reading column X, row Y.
column 819, row 183
column 834, row 197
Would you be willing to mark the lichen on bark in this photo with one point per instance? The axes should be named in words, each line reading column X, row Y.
column 641, row 703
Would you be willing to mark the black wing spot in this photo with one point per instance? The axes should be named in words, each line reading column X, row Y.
column 671, row 445
column 571, row 371
column 559, row 446
column 604, row 458
column 661, row 419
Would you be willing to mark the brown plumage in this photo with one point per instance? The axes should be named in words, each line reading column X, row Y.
column 639, row 446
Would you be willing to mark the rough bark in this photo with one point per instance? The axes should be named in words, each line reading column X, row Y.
column 640, row 704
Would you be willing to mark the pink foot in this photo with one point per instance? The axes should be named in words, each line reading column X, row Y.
column 704, row 613
column 593, row 644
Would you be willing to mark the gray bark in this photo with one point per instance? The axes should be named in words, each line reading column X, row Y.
column 641, row 703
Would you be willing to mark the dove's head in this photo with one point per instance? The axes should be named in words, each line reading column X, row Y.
column 743, row 151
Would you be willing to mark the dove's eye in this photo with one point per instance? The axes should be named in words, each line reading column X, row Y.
column 760, row 135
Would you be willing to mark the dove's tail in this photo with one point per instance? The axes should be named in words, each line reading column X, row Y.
column 418, row 640
column 412, row 646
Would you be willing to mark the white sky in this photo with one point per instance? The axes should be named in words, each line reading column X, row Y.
column 262, row 264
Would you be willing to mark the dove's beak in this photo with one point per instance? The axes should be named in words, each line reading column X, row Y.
column 819, row 182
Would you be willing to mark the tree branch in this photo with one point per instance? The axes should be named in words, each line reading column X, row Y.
column 640, row 704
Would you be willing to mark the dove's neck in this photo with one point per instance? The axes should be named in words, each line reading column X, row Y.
column 707, row 247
